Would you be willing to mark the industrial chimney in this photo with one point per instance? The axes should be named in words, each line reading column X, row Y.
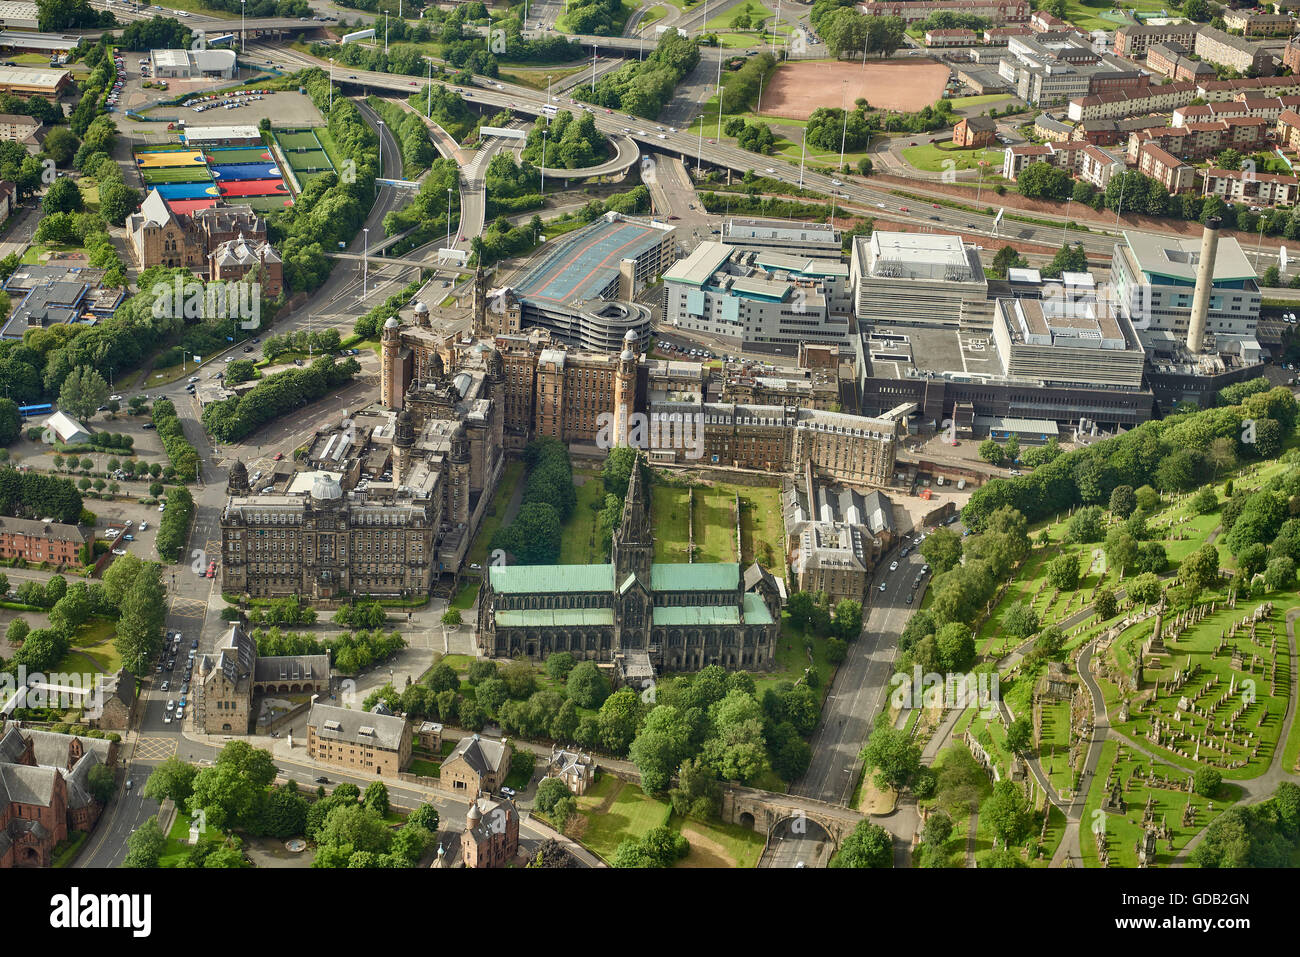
column 1204, row 286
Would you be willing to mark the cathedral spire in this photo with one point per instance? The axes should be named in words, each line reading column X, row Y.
column 633, row 546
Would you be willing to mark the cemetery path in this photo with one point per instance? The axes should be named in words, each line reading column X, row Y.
column 970, row 838
column 1069, row 846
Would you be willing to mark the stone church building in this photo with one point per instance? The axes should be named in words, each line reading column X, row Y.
column 682, row 616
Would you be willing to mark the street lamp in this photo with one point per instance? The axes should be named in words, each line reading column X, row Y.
column 241, row 26
column 545, row 130
column 331, row 84
column 593, row 68
column 548, row 89
column 845, row 110
column 381, row 147
column 449, row 217
column 365, row 260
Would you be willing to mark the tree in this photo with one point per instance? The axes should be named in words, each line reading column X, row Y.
column 62, row 197
column 869, row 845
column 1063, row 572
column 375, row 797
column 1205, row 501
column 1019, row 734
column 1104, row 604
column 1201, row 568
column 559, row 664
column 891, row 753
column 451, row 617
column 659, row 847
column 619, row 720
column 847, row 618
column 550, row 792
column 937, row 829
column 1020, row 620
column 551, row 853
column 660, row 746
column 991, row 452
column 145, row 845
column 587, row 686
column 1007, row 258
column 1007, row 813
column 1145, row 589
column 358, row 826
column 738, row 749
column 1050, row 641
column 83, row 392
column 1206, row 781
column 1280, row 573
column 425, row 816
column 942, row 549
column 173, row 779
column 1123, row 501
column 1198, row 10
column 698, row 793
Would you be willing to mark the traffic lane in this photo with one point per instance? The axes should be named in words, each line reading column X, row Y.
column 125, row 814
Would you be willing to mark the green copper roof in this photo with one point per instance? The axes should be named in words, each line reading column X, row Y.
column 696, row 615
column 699, row 576
column 540, row 579
column 756, row 612
column 555, row 617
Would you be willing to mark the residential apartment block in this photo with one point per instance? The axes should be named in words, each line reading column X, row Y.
column 1231, row 51
column 366, row 742
column 1172, row 60
column 1134, row 41
column 1161, row 165
column 37, row 541
column 1252, row 24
column 1261, row 189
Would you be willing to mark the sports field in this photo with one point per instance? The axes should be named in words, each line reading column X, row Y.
column 237, row 154
column 309, row 161
column 297, row 140
column 175, row 174
column 169, row 158
column 798, row 88
column 254, row 187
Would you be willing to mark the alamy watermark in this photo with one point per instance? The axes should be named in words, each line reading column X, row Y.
column 191, row 299
column 60, row 691
column 654, row 431
column 981, row 690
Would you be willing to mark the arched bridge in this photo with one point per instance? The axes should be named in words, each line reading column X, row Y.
column 763, row 811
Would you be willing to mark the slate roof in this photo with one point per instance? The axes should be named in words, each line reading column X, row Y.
column 357, row 727
column 483, row 755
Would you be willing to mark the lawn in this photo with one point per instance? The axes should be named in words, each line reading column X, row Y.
column 1088, row 16
column 522, row 763
column 578, row 542
column 177, row 846
column 428, row 769
column 93, row 639
column 932, row 157
column 496, row 512
column 961, row 102
column 792, row 660
column 716, row 844
column 757, row 11
column 67, row 850
column 613, row 810
column 536, row 77
column 713, row 514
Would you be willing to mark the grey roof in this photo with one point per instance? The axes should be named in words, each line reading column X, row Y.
column 292, row 668
column 484, row 755
column 489, row 812
column 236, row 654
column 12, row 745
column 357, row 727
column 879, row 512
column 24, row 784
column 120, row 685
column 55, row 531
column 78, row 780
column 55, row 750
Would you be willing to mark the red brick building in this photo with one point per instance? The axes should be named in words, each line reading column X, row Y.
column 974, row 131
column 45, row 792
column 35, row 541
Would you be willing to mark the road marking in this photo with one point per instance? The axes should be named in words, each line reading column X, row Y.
column 154, row 749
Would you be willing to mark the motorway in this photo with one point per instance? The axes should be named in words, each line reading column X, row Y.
column 852, row 191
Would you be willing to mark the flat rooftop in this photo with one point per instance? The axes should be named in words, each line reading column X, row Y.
column 895, row 354
column 921, row 256
column 1177, row 259
column 815, row 233
column 698, row 268
column 584, row 266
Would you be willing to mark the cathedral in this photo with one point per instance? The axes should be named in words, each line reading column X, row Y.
column 682, row 617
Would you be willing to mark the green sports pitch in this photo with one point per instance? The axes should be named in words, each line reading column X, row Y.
column 297, row 140
column 176, row 174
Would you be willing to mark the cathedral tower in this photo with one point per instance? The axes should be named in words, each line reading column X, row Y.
column 633, row 547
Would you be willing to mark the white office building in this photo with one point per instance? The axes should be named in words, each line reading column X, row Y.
column 747, row 298
column 1155, row 281
column 919, row 279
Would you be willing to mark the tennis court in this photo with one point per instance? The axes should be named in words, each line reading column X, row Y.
column 237, row 154
column 169, row 158
column 242, row 171
column 175, row 174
